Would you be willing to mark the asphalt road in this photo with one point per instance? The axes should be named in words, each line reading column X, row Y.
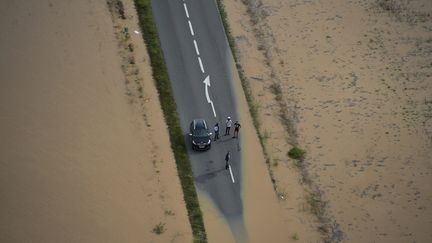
column 195, row 47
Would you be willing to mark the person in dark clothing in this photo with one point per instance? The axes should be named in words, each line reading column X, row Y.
column 227, row 157
column 228, row 126
column 216, row 131
column 236, row 129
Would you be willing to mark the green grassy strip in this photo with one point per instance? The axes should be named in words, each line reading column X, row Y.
column 253, row 106
column 166, row 98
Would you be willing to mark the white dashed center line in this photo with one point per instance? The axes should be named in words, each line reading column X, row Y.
column 231, row 173
column 207, row 84
column 196, row 47
column 186, row 10
column 201, row 65
column 190, row 27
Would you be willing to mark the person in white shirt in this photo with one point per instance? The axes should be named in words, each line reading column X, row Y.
column 228, row 126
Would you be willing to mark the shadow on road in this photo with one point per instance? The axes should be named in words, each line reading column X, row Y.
column 207, row 176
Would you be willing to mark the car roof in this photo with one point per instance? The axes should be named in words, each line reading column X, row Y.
column 199, row 123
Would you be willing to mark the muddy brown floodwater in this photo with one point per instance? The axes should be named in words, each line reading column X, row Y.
column 78, row 162
column 350, row 83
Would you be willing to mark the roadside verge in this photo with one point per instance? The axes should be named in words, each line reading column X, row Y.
column 253, row 106
column 166, row 98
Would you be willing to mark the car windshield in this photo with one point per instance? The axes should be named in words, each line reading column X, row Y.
column 200, row 133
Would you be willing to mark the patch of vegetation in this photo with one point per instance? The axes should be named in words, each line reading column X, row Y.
column 118, row 5
column 253, row 105
column 314, row 205
column 400, row 10
column 163, row 85
column 266, row 135
column 159, row 229
column 130, row 47
column 120, row 8
column 282, row 195
column 275, row 162
column 391, row 6
column 296, row 153
column 276, row 89
column 131, row 60
column 295, row 236
column 298, row 164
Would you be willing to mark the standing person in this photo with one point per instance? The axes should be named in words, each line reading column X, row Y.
column 216, row 131
column 228, row 126
column 236, row 129
column 227, row 157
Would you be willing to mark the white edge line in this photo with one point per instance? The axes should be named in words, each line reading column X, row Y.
column 201, row 65
column 196, row 47
column 232, row 177
column 186, row 10
column 190, row 27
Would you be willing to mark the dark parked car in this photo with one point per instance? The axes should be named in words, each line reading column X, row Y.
column 200, row 135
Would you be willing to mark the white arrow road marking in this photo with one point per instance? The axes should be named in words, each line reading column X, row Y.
column 186, row 10
column 201, row 65
column 196, row 47
column 232, row 177
column 207, row 84
column 190, row 27
column 207, row 79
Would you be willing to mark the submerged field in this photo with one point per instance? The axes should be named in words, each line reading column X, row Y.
column 350, row 83
column 83, row 155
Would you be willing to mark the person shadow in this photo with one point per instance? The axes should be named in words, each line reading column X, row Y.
column 227, row 139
